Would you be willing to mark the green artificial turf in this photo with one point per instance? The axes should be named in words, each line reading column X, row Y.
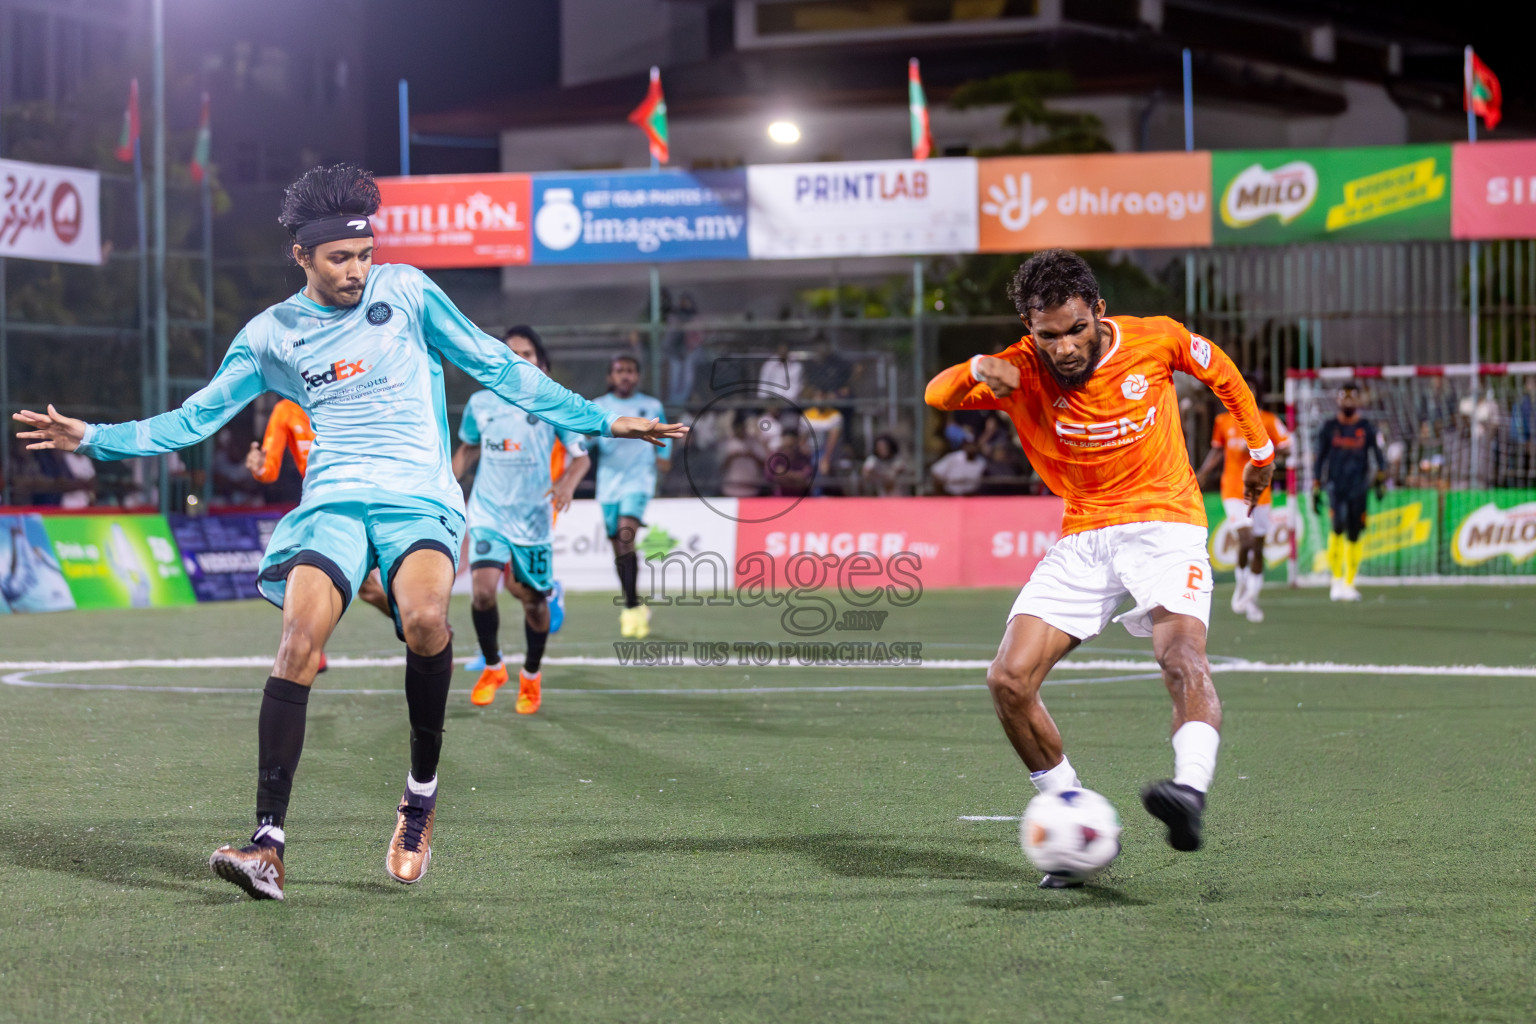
column 778, row 856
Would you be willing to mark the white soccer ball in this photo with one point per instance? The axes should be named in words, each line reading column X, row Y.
column 1071, row 833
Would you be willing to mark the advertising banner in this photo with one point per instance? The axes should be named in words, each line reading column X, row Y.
column 454, row 220
column 873, row 208
column 1491, row 532
column 640, row 218
column 929, row 542
column 1400, row 535
column 221, row 554
column 1222, row 542
column 127, row 561
column 49, row 213
column 1494, row 187
column 30, row 577
column 1104, row 201
column 1370, row 193
column 690, row 540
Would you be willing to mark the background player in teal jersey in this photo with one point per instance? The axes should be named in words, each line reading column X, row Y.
column 528, row 471
column 626, row 479
column 359, row 348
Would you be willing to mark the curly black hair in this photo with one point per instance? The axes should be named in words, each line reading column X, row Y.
column 329, row 192
column 1050, row 278
column 524, row 331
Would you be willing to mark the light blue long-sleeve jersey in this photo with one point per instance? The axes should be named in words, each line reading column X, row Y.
column 511, row 494
column 371, row 380
column 628, row 465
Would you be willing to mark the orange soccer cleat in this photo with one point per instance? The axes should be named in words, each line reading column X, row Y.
column 492, row 678
column 528, row 692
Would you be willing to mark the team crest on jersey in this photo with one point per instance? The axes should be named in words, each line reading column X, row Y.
column 1134, row 387
column 379, row 313
column 1200, row 351
column 532, row 419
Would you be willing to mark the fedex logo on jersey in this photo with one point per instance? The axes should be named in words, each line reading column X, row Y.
column 1093, row 435
column 504, row 445
column 342, row 369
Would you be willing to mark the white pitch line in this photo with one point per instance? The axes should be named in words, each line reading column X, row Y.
column 989, row 817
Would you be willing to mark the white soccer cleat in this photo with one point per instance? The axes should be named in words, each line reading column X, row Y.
column 1336, row 590
column 1254, row 612
column 1239, row 597
column 1350, row 593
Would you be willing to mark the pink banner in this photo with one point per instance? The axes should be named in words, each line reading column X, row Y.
column 1493, row 190
column 939, row 542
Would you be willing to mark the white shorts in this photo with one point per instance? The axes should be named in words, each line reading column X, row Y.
column 1237, row 515
column 1084, row 576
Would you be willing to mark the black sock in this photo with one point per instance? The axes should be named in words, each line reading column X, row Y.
column 279, row 742
column 536, row 640
column 629, row 571
column 487, row 625
column 427, row 678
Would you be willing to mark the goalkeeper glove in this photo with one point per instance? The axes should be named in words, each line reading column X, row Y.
column 1317, row 498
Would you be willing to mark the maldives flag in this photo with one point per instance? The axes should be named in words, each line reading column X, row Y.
column 128, row 141
column 651, row 117
column 200, row 150
column 922, row 138
column 1484, row 97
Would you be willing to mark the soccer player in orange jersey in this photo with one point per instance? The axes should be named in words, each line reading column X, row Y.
column 1093, row 401
column 1230, row 449
column 289, row 428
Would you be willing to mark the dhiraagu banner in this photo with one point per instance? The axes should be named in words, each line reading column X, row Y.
column 123, row 561
column 1400, row 535
column 1369, row 193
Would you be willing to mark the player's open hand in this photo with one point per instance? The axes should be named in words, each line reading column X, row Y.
column 998, row 374
column 654, row 431
column 256, row 459
column 561, row 494
column 52, row 430
column 1255, row 482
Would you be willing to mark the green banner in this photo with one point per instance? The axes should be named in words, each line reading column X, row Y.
column 1490, row 532
column 1400, row 536
column 127, row 561
column 1369, row 193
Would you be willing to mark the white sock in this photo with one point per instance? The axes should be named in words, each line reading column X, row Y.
column 1063, row 776
column 420, row 788
column 1194, row 755
column 1255, row 582
column 271, row 832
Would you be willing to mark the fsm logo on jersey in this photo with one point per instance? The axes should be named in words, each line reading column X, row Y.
column 640, row 218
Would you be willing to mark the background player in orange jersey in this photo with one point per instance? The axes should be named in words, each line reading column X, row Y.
column 1229, row 448
column 289, row 427
column 1093, row 401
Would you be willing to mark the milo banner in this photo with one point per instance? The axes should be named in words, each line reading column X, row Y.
column 1367, row 194
column 1400, row 535
column 1491, row 532
column 1223, row 540
column 126, row 561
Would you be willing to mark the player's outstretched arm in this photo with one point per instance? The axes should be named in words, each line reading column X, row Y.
column 978, row 383
column 236, row 384
column 654, row 431
column 1201, row 358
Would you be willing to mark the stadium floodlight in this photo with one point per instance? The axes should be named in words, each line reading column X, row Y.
column 785, row 133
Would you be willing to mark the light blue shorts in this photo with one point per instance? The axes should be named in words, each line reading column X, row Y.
column 348, row 539
column 632, row 504
column 532, row 564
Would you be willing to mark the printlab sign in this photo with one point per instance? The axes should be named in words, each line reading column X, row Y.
column 49, row 213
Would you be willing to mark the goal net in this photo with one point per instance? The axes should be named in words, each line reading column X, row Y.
column 1460, row 448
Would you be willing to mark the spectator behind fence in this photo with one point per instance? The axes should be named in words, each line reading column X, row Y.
column 884, row 470
column 743, row 457
column 783, row 375
column 790, row 469
column 959, row 473
column 827, row 431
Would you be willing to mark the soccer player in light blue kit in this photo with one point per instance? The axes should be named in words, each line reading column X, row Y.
column 359, row 350
column 528, row 471
column 626, row 479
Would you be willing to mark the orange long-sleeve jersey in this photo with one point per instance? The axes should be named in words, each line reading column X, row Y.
column 1113, row 449
column 1226, row 435
column 288, row 428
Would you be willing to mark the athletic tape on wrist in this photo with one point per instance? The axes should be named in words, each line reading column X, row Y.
column 975, row 376
column 1263, row 456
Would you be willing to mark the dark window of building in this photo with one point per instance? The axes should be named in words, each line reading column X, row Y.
column 1120, row 13
column 29, row 55
column 866, row 15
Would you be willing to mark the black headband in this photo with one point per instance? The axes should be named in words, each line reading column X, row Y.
column 331, row 229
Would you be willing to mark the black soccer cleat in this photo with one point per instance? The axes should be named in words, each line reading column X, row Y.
column 1058, row 882
column 1178, row 807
